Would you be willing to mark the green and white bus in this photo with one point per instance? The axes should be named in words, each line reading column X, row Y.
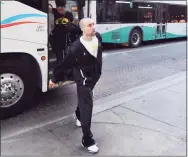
column 131, row 22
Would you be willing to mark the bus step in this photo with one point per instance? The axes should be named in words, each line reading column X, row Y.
column 60, row 84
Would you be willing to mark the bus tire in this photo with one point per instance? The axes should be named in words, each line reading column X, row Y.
column 17, row 88
column 135, row 38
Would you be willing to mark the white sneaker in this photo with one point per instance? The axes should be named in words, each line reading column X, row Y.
column 77, row 121
column 92, row 149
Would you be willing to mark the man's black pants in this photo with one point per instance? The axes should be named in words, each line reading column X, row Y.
column 59, row 50
column 59, row 43
column 84, row 109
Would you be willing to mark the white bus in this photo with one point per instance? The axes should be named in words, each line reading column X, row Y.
column 26, row 59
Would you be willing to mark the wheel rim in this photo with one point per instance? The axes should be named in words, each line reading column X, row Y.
column 135, row 38
column 11, row 88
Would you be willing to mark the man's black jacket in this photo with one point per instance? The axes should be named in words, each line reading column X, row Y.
column 86, row 68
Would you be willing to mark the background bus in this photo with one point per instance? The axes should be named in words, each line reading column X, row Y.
column 25, row 56
column 131, row 22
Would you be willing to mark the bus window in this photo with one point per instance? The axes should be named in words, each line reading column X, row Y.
column 37, row 4
column 106, row 11
column 125, row 12
column 177, row 14
column 113, row 11
column 72, row 7
column 145, row 12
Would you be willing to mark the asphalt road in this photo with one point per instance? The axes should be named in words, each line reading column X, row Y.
column 123, row 69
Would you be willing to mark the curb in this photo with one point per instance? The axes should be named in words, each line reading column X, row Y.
column 137, row 92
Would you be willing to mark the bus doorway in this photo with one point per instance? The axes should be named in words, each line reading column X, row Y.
column 73, row 6
column 161, row 17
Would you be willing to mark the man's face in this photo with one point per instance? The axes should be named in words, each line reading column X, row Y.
column 61, row 10
column 89, row 28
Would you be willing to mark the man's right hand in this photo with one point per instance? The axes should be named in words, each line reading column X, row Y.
column 51, row 84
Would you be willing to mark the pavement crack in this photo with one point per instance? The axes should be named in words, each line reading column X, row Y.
column 175, row 91
column 67, row 143
column 108, row 123
column 126, row 124
column 152, row 118
column 118, row 115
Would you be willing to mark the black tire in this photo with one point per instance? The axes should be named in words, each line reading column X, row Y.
column 135, row 38
column 24, row 71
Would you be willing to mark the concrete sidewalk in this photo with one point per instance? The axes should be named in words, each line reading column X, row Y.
column 147, row 120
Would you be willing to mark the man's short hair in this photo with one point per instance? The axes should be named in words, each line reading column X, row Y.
column 83, row 20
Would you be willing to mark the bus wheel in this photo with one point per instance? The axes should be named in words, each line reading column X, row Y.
column 135, row 38
column 16, row 89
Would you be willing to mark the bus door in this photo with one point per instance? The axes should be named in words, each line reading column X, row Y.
column 74, row 6
column 161, row 17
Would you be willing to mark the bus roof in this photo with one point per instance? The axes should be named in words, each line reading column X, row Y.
column 180, row 2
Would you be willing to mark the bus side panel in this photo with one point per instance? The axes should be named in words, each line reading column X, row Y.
column 119, row 33
column 16, row 46
column 125, row 31
column 175, row 30
column 22, row 22
column 110, row 32
column 149, row 31
column 24, row 30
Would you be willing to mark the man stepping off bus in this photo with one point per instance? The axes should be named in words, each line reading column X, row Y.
column 85, row 58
